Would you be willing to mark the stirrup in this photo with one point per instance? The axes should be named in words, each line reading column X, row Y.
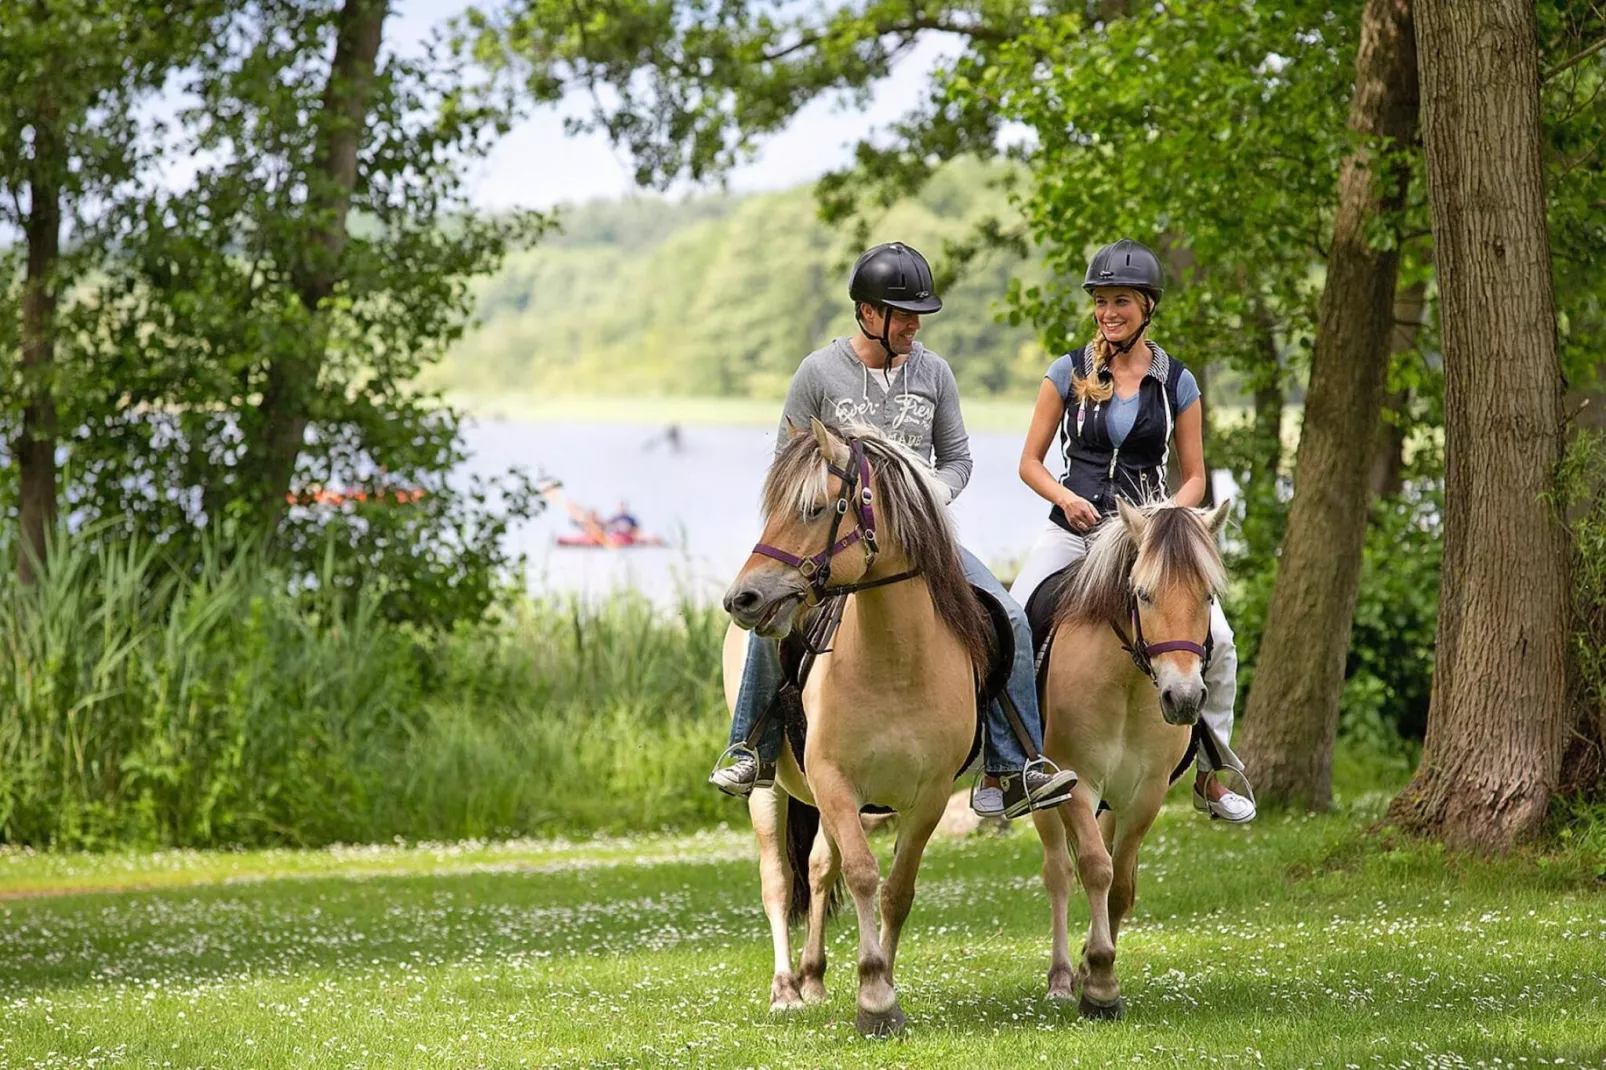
column 736, row 752
column 1044, row 764
column 1238, row 774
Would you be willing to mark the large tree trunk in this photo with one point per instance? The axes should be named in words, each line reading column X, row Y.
column 1499, row 710
column 1388, row 451
column 292, row 383
column 1292, row 714
column 35, row 447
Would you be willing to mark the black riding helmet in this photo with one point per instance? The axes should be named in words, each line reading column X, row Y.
column 892, row 275
column 1130, row 264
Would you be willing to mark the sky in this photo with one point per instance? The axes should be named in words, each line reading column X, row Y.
column 537, row 165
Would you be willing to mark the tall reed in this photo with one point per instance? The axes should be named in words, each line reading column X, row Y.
column 208, row 701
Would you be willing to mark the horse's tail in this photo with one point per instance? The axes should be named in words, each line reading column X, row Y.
column 802, row 825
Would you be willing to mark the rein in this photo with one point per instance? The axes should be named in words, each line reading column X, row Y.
column 816, row 569
column 1143, row 652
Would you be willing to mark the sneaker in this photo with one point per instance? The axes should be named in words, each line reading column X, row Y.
column 988, row 802
column 743, row 775
column 1039, row 786
column 1232, row 808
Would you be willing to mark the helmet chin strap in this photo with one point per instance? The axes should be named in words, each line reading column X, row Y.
column 885, row 338
column 1122, row 348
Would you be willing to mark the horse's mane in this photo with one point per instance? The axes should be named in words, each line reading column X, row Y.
column 1177, row 550
column 909, row 514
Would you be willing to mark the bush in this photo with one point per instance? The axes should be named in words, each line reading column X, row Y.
column 200, row 702
column 1388, row 675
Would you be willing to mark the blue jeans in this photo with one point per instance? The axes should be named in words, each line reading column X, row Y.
column 761, row 679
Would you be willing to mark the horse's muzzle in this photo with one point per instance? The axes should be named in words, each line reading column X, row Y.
column 1181, row 704
column 768, row 612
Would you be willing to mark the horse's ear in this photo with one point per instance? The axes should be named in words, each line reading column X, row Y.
column 1136, row 523
column 1216, row 519
column 832, row 448
column 792, row 429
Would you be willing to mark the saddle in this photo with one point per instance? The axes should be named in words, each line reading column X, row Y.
column 1040, row 609
column 803, row 645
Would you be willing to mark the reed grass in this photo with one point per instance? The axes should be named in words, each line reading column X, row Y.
column 148, row 700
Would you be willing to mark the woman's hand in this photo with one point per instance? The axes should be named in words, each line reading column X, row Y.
column 1078, row 511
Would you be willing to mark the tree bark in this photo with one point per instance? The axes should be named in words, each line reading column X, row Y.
column 1499, row 713
column 1388, row 452
column 292, row 383
column 1292, row 714
column 35, row 447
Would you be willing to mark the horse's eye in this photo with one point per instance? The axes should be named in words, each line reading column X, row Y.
column 1143, row 596
column 812, row 513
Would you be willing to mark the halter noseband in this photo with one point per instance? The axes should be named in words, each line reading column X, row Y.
column 1143, row 652
column 816, row 569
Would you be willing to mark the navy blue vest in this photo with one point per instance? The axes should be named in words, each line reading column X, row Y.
column 1095, row 468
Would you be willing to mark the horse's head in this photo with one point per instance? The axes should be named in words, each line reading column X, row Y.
column 1175, row 574
column 1154, row 572
column 820, row 531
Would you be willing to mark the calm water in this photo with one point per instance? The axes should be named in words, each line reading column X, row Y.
column 704, row 501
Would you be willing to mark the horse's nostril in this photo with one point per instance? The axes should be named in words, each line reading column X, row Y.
column 743, row 600
column 1168, row 700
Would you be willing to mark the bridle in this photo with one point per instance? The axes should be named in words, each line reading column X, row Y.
column 1143, row 652
column 855, row 494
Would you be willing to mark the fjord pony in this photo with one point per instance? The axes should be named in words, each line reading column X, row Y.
column 1124, row 686
column 890, row 709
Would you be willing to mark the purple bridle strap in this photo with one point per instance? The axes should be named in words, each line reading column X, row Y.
column 817, row 568
column 1176, row 644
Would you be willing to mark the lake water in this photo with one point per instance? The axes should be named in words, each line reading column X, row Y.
column 703, row 500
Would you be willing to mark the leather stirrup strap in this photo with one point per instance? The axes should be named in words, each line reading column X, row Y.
column 1018, row 726
column 821, row 630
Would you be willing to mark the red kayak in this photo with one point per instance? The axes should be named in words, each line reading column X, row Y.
column 610, row 542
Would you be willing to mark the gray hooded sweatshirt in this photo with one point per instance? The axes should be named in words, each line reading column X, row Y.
column 921, row 410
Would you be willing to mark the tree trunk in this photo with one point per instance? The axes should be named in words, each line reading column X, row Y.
column 1499, row 710
column 1292, row 714
column 35, row 446
column 1388, row 452
column 292, row 383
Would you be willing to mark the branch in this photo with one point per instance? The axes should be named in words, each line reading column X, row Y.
column 1573, row 61
column 980, row 32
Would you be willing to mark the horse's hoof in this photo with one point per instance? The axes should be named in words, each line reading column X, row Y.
column 813, row 990
column 784, row 995
column 1101, row 1012
column 887, row 1024
column 1061, row 984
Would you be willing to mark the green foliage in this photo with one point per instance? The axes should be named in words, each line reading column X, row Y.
column 1388, row 674
column 1581, row 501
column 724, row 296
column 151, row 698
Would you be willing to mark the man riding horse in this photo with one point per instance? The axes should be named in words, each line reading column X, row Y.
column 912, row 397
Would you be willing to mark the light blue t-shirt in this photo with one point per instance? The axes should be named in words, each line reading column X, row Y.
column 1122, row 412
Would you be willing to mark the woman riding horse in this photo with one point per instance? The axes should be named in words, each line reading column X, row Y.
column 1118, row 404
column 914, row 400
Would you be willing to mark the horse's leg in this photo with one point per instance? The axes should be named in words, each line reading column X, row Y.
column 1130, row 828
column 1101, row 995
column 767, row 808
column 1052, row 826
column 879, row 1013
column 825, row 863
column 898, row 893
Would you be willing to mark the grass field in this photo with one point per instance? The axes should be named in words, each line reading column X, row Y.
column 1298, row 941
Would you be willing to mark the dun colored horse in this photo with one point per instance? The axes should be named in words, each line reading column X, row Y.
column 1119, row 709
column 890, row 708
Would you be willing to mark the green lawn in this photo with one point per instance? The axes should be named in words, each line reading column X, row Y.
column 1294, row 942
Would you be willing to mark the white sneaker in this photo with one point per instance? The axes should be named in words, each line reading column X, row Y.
column 1232, row 808
column 988, row 802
